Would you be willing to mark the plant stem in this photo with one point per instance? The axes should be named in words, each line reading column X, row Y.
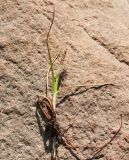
column 54, row 100
column 49, row 54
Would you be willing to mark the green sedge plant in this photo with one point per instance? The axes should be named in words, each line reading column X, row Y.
column 55, row 75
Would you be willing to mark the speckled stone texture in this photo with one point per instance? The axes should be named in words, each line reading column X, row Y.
column 96, row 35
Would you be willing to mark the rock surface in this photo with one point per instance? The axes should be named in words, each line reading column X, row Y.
column 96, row 35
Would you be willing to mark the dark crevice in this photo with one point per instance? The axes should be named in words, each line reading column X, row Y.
column 105, row 46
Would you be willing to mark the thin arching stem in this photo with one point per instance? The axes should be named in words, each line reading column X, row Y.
column 105, row 145
column 48, row 48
